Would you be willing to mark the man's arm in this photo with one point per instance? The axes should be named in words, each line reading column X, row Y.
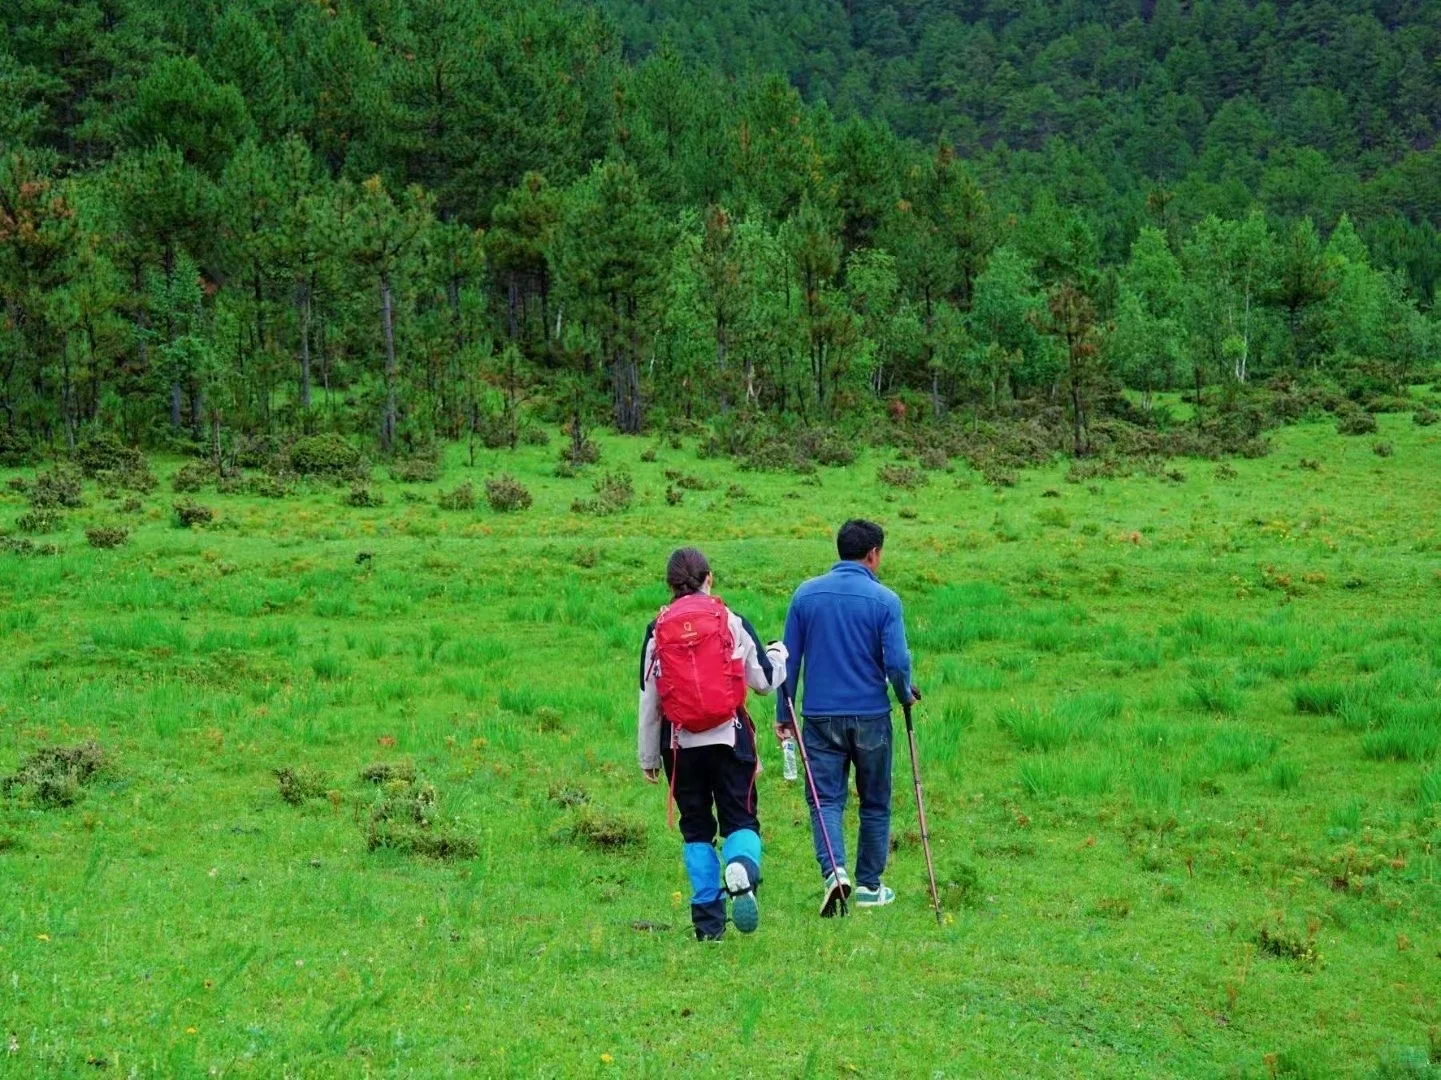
column 897, row 654
column 794, row 641
column 647, row 734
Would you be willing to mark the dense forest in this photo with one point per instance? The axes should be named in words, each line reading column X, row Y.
column 416, row 219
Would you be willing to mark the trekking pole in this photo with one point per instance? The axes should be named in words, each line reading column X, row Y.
column 816, row 801
column 921, row 811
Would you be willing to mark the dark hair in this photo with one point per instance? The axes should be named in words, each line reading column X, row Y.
column 857, row 537
column 686, row 571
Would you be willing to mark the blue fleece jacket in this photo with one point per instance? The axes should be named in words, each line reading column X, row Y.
column 846, row 630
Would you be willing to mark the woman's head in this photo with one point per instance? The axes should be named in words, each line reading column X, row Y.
column 687, row 572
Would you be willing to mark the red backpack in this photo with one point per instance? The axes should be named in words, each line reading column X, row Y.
column 700, row 679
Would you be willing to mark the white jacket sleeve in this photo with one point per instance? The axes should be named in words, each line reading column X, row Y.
column 765, row 665
column 648, row 722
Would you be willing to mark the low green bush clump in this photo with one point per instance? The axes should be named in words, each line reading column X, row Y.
column 301, row 783
column 55, row 776
column 1355, row 422
column 416, row 470
column 23, row 545
column 614, row 492
column 270, row 485
column 189, row 513
column 191, row 477
column 606, row 831
column 406, row 817
column 506, row 494
column 39, row 520
column 106, row 537
column 16, row 449
column 1424, row 417
column 105, row 453
column 1383, row 449
column 62, row 486
column 327, row 455
column 362, row 495
column 902, row 476
column 462, row 498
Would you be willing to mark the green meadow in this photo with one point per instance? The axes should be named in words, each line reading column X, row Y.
column 363, row 797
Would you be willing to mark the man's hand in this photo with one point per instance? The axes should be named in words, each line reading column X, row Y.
column 915, row 693
column 785, row 731
column 652, row 776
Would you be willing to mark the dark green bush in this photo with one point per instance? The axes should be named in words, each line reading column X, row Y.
column 328, row 455
column 106, row 537
column 1355, row 422
column 1383, row 449
column 55, row 775
column 61, row 486
column 16, row 450
column 416, row 470
column 39, row 521
column 103, row 452
column 188, row 513
column 902, row 476
column 1424, row 417
column 614, row 492
column 462, row 498
column 362, row 495
column 505, row 493
column 191, row 477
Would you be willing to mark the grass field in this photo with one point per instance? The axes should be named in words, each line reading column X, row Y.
column 1180, row 745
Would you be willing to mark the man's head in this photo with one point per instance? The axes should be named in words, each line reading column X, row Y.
column 687, row 572
column 861, row 541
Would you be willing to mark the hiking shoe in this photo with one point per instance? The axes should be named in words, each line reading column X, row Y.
column 838, row 888
column 880, row 896
column 745, row 913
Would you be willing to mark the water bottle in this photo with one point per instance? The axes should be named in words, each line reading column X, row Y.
column 788, row 757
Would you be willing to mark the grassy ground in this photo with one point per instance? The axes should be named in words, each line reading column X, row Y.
column 1179, row 746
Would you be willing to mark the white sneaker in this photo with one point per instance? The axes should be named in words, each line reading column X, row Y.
column 745, row 912
column 880, row 896
column 838, row 888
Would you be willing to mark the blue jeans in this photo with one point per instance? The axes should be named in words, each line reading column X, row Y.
column 833, row 744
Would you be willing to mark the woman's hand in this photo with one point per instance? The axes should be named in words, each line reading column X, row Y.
column 652, row 776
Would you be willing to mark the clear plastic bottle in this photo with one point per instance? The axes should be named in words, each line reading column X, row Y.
column 788, row 759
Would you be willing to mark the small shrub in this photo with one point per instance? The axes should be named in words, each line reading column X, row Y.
column 1356, row 422
column 935, row 459
column 384, row 772
column 586, row 558
column 191, row 477
column 1424, row 417
column 674, row 496
column 297, row 785
column 189, row 513
column 105, row 453
column 960, row 885
column 106, row 536
column 506, row 494
column 648, row 455
column 54, row 776
column 614, row 492
column 1285, row 946
column 18, row 484
column 132, row 505
column 548, row 720
column 534, row 435
column 902, row 476
column 60, row 486
column 39, row 521
column 1382, row 449
column 16, row 449
column 1226, row 471
column 1176, row 476
column 687, row 482
column 416, row 470
column 363, row 496
column 327, row 455
column 606, row 831
column 1310, row 464
column 462, row 498
column 567, row 795
column 260, row 452
column 736, row 493
column 23, row 545
column 584, row 453
column 271, row 485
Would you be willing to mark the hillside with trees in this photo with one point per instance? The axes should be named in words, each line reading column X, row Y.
column 422, row 220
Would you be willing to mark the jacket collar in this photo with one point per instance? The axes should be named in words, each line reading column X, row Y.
column 847, row 566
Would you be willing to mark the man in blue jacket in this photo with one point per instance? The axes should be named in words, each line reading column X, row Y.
column 846, row 631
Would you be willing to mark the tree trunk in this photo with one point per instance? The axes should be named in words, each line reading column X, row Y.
column 387, row 424
column 303, row 299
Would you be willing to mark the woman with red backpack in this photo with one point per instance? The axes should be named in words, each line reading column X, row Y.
column 697, row 661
